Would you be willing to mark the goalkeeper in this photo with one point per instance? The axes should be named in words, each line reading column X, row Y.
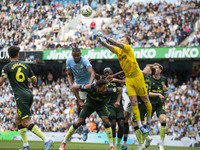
column 134, row 78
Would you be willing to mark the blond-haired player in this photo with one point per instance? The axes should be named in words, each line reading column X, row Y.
column 133, row 76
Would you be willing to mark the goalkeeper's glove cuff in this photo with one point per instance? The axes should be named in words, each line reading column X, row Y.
column 100, row 40
column 105, row 37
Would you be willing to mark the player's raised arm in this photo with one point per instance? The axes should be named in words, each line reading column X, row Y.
column 121, row 73
column 69, row 77
column 111, row 77
column 32, row 78
column 112, row 41
column 92, row 75
column 2, row 80
column 104, row 43
column 115, row 43
column 90, row 71
column 119, row 97
column 75, row 89
column 118, row 80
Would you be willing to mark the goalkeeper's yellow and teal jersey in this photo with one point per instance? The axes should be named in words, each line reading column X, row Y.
column 127, row 60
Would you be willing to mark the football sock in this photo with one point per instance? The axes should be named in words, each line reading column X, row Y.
column 142, row 136
column 118, row 140
column 126, row 130
column 149, row 111
column 69, row 133
column 34, row 128
column 84, row 127
column 110, row 136
column 139, row 123
column 139, row 137
column 136, row 112
column 23, row 134
column 162, row 132
column 114, row 140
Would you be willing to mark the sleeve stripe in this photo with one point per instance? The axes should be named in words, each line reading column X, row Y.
column 32, row 77
column 5, row 77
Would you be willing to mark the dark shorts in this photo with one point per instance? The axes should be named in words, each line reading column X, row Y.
column 159, row 108
column 142, row 109
column 117, row 113
column 100, row 108
column 23, row 106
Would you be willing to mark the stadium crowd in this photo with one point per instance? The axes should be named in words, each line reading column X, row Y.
column 35, row 26
column 150, row 25
column 54, row 108
column 30, row 25
column 194, row 40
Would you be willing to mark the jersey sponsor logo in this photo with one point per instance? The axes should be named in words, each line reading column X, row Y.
column 19, row 113
column 18, row 64
column 122, row 57
column 157, row 91
column 113, row 84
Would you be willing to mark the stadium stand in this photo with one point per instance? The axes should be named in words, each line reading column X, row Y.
column 152, row 25
column 30, row 25
column 37, row 27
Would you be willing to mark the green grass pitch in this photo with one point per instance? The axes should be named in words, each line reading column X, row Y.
column 16, row 145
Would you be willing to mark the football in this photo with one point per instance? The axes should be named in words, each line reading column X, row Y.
column 86, row 11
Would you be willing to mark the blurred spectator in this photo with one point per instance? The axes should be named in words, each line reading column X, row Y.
column 154, row 25
column 94, row 4
column 30, row 25
column 92, row 25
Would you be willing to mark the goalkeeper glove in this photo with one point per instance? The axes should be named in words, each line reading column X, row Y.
column 100, row 34
column 99, row 40
column 93, row 37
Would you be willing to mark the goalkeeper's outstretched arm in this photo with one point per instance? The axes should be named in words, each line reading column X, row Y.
column 115, row 43
column 110, row 47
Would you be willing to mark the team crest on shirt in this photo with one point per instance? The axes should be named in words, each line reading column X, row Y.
column 81, row 66
column 163, row 83
column 114, row 90
column 76, row 66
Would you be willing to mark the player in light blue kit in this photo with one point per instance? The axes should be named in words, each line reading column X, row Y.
column 80, row 67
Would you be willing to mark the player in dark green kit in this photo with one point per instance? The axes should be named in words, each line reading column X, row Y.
column 97, row 98
column 159, row 85
column 115, row 108
column 147, row 72
column 19, row 74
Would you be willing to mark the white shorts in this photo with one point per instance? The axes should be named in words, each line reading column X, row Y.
column 127, row 104
column 83, row 95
